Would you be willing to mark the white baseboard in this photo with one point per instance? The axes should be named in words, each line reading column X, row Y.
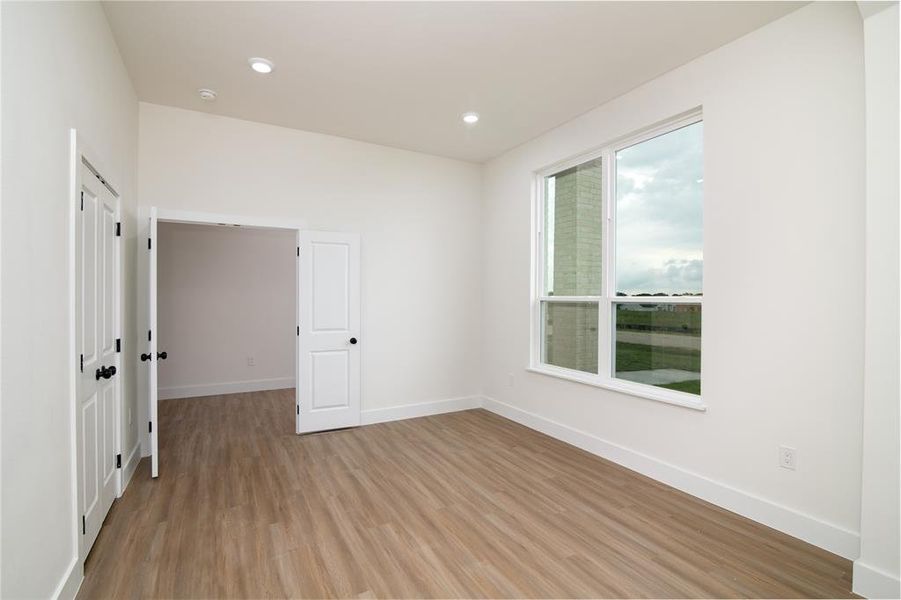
column 69, row 585
column 231, row 387
column 422, row 409
column 130, row 466
column 871, row 582
column 831, row 537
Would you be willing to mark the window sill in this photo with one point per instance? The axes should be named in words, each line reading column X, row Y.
column 633, row 389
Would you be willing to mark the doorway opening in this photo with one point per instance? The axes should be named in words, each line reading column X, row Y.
column 225, row 300
column 226, row 306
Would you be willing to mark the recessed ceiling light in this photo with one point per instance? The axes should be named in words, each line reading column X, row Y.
column 261, row 65
column 207, row 95
column 470, row 118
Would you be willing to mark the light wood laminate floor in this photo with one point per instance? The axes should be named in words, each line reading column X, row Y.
column 459, row 505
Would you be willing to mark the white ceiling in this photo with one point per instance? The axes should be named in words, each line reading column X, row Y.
column 402, row 73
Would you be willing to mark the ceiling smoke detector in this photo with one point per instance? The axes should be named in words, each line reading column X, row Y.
column 207, row 95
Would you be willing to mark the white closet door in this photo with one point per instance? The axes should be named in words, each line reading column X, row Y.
column 329, row 331
column 96, row 331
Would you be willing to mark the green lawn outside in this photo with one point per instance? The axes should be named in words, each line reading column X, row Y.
column 643, row 357
column 692, row 387
column 649, row 320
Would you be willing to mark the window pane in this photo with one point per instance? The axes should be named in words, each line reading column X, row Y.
column 659, row 218
column 572, row 225
column 659, row 344
column 570, row 335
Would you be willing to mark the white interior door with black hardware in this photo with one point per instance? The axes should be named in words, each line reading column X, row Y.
column 151, row 357
column 98, row 345
column 328, row 388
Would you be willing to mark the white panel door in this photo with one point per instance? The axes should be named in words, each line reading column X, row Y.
column 151, row 355
column 329, row 329
column 98, row 346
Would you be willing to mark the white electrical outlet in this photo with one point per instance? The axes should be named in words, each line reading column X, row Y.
column 788, row 458
column 250, row 361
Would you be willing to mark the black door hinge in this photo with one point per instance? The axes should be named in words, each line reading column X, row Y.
column 118, row 461
column 298, row 330
column 81, row 361
column 149, row 335
column 118, row 229
column 118, row 344
column 82, row 201
column 298, row 409
column 298, row 251
column 149, row 243
column 151, row 426
column 83, row 525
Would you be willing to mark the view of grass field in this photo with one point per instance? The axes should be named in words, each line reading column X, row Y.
column 628, row 317
column 641, row 357
column 645, row 357
column 671, row 351
column 691, row 387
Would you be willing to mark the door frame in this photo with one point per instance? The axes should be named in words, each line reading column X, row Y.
column 81, row 152
column 166, row 215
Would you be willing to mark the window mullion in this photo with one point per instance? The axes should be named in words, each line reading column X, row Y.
column 538, row 286
column 605, row 339
column 570, row 298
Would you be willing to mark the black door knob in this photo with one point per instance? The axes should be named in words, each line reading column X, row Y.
column 105, row 372
column 162, row 355
column 145, row 356
column 353, row 340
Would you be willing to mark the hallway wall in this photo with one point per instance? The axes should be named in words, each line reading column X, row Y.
column 226, row 297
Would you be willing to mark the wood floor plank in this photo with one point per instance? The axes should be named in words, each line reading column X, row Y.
column 460, row 505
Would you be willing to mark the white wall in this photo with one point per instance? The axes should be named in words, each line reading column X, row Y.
column 783, row 278
column 418, row 215
column 876, row 572
column 225, row 294
column 60, row 69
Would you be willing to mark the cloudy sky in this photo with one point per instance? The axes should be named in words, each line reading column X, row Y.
column 659, row 227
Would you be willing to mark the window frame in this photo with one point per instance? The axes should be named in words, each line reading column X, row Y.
column 607, row 300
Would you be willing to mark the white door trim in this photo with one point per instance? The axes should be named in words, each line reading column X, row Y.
column 167, row 215
column 207, row 218
column 80, row 151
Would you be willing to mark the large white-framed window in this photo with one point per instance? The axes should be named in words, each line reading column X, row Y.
column 617, row 286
